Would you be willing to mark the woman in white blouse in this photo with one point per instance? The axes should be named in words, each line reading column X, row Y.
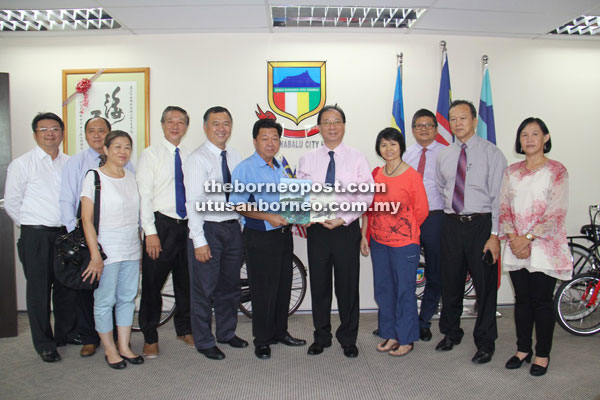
column 118, row 233
column 533, row 209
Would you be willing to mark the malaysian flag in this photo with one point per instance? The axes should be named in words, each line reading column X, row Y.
column 444, row 135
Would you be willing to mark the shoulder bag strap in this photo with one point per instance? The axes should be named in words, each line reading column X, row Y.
column 97, row 187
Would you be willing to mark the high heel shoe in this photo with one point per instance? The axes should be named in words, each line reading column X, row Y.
column 515, row 362
column 538, row 370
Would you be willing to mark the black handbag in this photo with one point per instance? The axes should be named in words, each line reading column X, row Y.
column 72, row 253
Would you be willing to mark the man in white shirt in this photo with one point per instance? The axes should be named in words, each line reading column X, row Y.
column 31, row 200
column 215, row 246
column 164, row 221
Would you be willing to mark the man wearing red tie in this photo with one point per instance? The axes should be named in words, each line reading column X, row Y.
column 422, row 157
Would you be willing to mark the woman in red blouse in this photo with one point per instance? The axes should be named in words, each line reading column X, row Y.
column 391, row 228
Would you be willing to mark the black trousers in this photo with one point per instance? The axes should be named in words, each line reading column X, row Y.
column 36, row 251
column 85, row 318
column 431, row 230
column 269, row 263
column 216, row 284
column 334, row 251
column 534, row 301
column 173, row 258
column 462, row 249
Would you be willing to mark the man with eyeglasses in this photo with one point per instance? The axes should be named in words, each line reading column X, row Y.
column 31, row 200
column 164, row 220
column 422, row 157
column 334, row 245
column 73, row 174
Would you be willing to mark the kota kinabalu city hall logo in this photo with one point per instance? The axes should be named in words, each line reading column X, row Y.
column 296, row 91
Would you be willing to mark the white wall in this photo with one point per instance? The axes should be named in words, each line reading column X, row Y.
column 556, row 80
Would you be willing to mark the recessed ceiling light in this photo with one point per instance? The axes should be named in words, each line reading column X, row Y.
column 583, row 25
column 344, row 17
column 56, row 20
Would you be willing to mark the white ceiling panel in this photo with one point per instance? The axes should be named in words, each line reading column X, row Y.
column 46, row 4
column 185, row 17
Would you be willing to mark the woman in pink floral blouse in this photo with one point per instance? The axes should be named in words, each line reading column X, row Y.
column 533, row 209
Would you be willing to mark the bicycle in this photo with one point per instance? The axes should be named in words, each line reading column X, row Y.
column 576, row 303
column 468, row 294
column 299, row 285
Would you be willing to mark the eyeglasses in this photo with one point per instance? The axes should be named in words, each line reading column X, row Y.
column 54, row 129
column 424, row 126
column 336, row 122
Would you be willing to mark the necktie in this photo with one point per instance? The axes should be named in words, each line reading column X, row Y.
column 225, row 171
column 421, row 167
column 101, row 162
column 179, row 188
column 458, row 199
column 330, row 176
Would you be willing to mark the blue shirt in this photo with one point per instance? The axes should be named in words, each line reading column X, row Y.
column 73, row 174
column 256, row 170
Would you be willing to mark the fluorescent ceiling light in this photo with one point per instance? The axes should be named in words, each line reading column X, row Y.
column 56, row 20
column 344, row 17
column 583, row 25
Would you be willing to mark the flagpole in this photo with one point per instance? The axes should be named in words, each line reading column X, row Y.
column 484, row 63
column 442, row 50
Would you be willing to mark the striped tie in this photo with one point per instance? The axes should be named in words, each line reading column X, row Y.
column 421, row 167
column 458, row 199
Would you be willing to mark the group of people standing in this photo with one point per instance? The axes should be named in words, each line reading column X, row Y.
column 457, row 202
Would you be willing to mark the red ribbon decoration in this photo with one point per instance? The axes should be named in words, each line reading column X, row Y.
column 82, row 87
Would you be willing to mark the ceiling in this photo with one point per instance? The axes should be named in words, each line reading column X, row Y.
column 500, row 18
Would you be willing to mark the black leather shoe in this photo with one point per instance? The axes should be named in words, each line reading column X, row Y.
column 482, row 356
column 262, row 352
column 350, row 351
column 515, row 362
column 50, row 356
column 291, row 341
column 316, row 348
column 76, row 341
column 538, row 370
column 213, row 353
column 376, row 332
column 446, row 344
column 118, row 365
column 134, row 360
column 425, row 334
column 236, row 342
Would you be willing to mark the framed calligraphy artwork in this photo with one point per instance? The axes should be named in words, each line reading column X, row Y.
column 121, row 95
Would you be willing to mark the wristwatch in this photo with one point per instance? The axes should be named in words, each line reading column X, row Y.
column 529, row 237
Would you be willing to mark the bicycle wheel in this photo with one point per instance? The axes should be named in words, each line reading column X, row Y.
column 583, row 259
column 469, row 293
column 421, row 276
column 571, row 305
column 168, row 304
column 297, row 294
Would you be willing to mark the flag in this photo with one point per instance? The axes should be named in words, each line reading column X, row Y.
column 444, row 135
column 398, row 106
column 485, row 124
column 297, row 230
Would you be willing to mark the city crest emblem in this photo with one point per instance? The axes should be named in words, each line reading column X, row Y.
column 296, row 89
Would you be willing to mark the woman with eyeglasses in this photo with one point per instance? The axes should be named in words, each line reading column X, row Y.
column 118, row 234
column 533, row 209
column 393, row 237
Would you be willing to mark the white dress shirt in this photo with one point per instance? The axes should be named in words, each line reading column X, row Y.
column 32, row 188
column 203, row 165
column 156, row 183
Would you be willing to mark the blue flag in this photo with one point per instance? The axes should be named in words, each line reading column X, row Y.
column 485, row 125
column 398, row 106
